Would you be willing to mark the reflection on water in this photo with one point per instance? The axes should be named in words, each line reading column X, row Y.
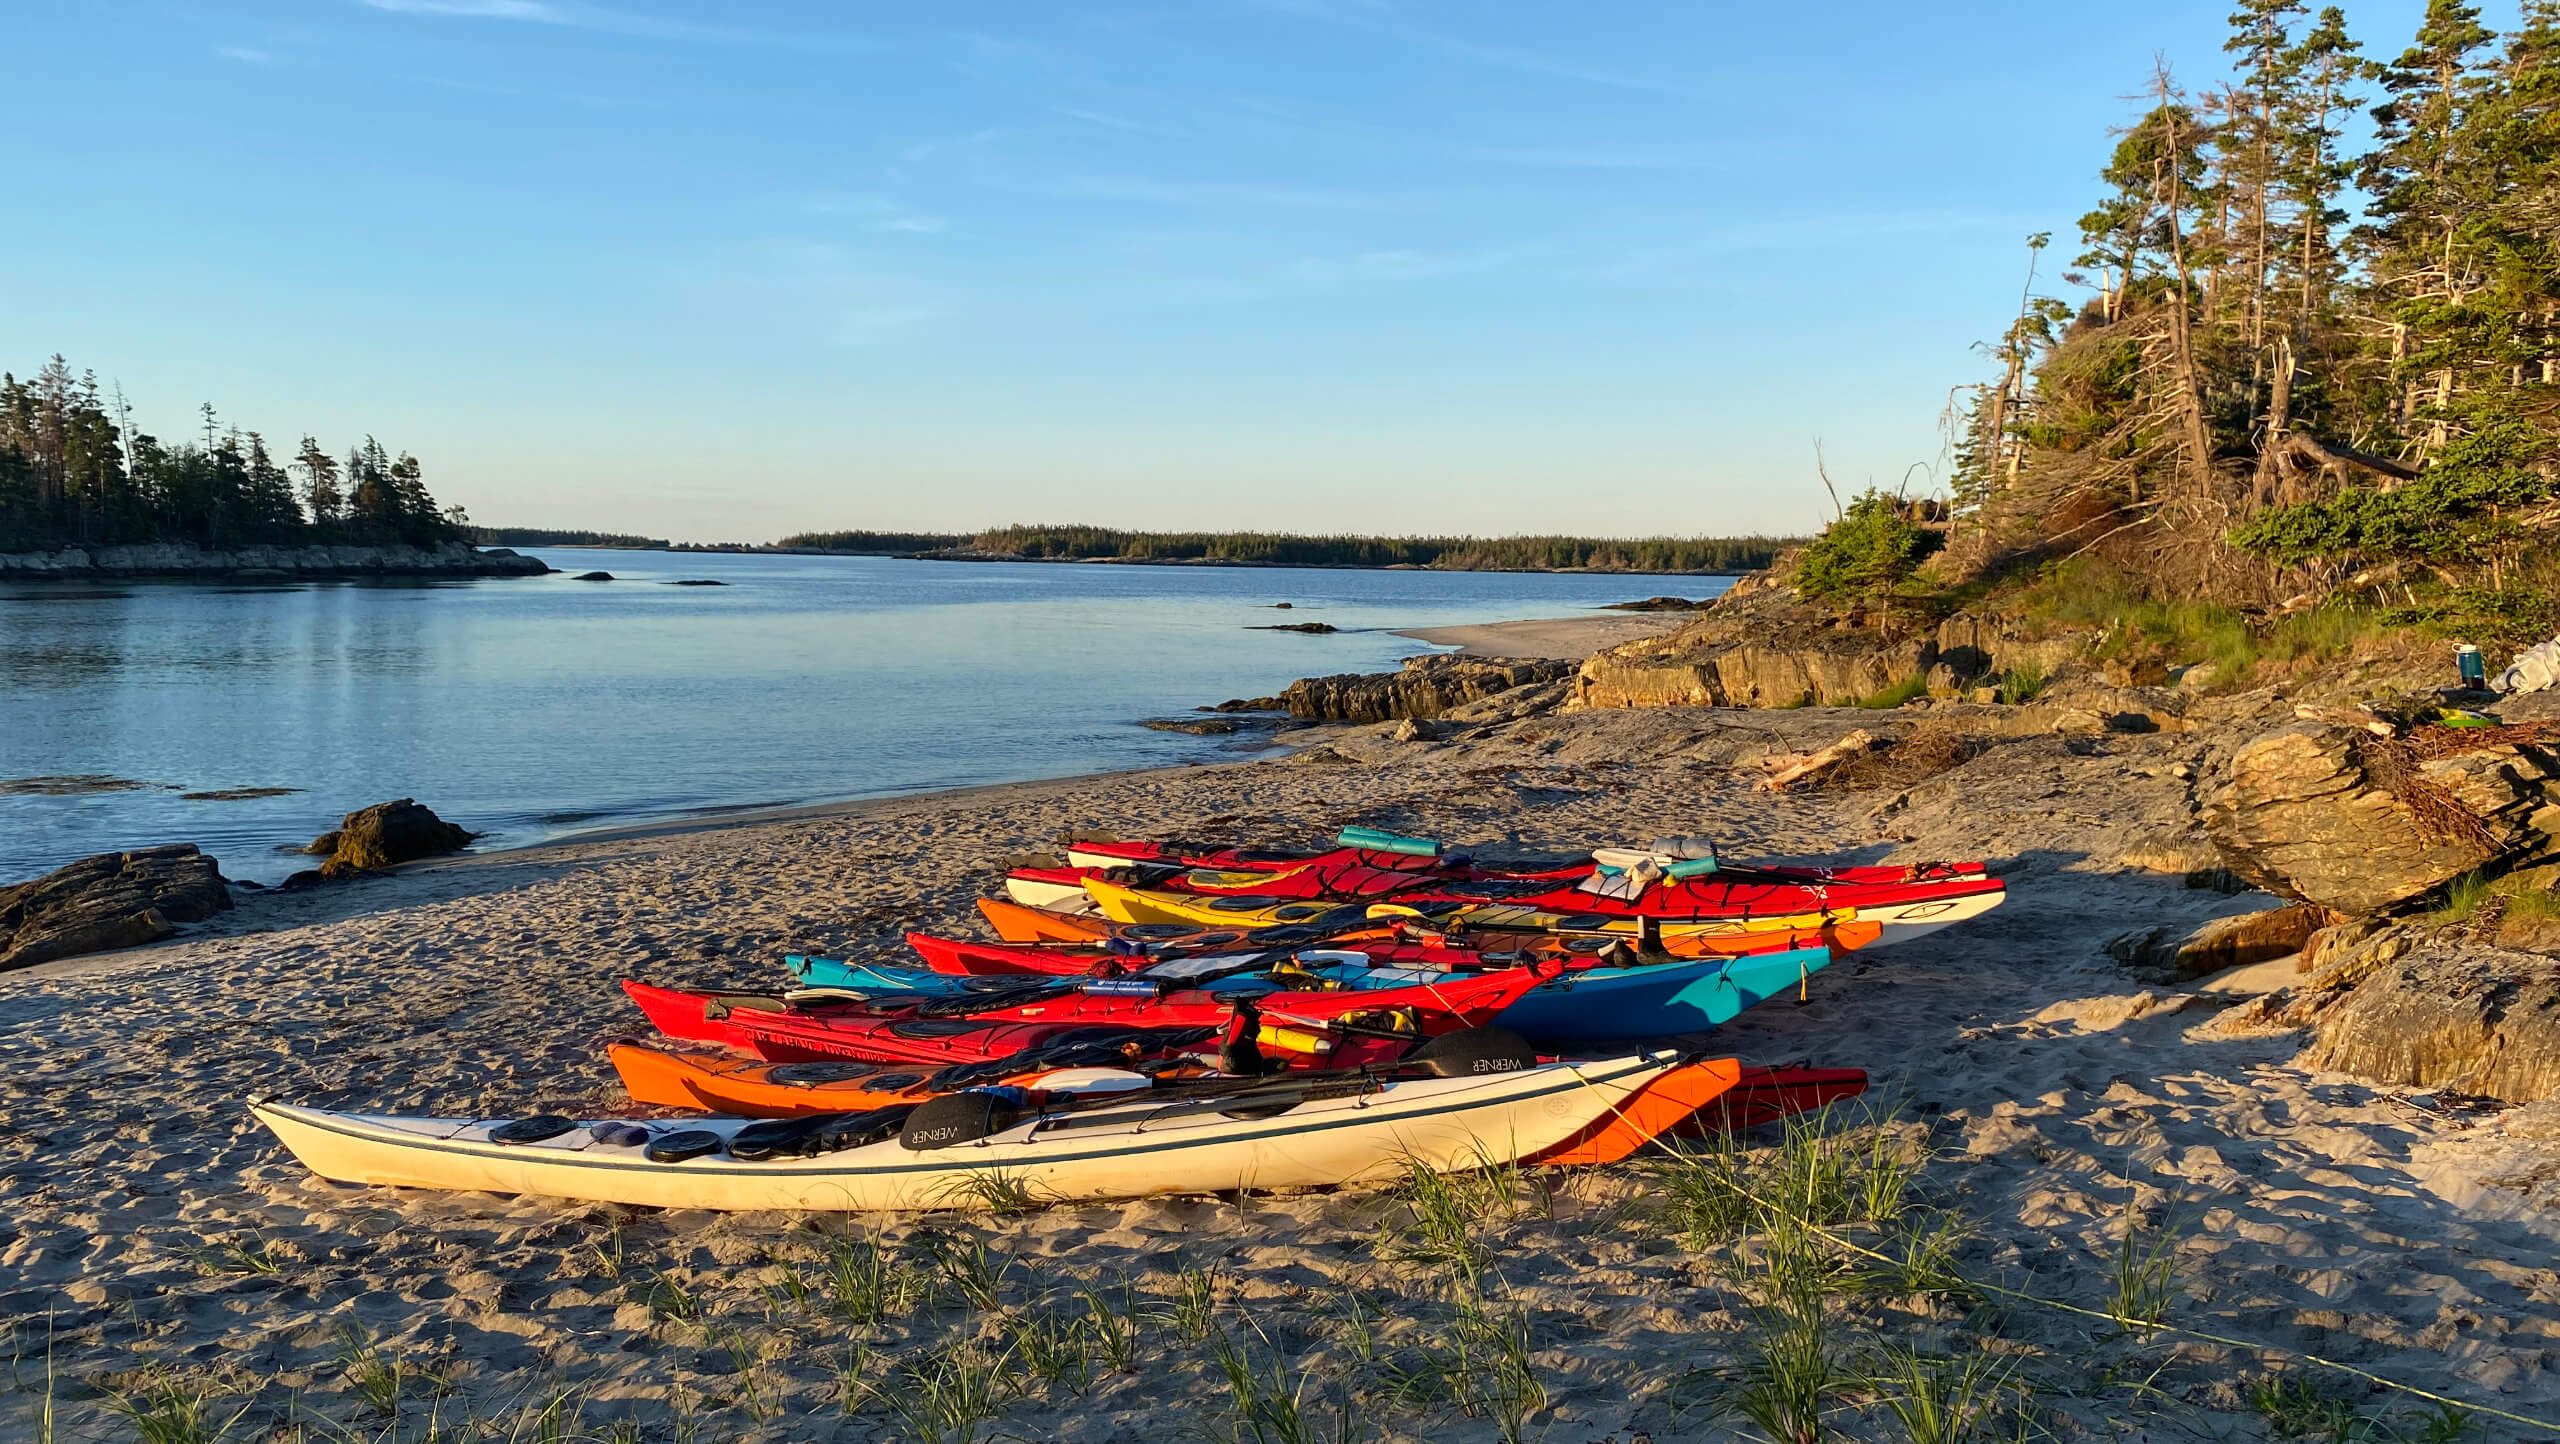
column 524, row 707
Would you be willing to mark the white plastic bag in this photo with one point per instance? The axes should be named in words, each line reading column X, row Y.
column 2536, row 668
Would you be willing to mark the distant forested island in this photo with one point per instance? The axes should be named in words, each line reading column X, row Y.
column 76, row 472
column 541, row 536
column 1445, row 553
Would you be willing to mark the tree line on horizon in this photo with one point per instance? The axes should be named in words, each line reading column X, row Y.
column 2306, row 348
column 544, row 536
column 75, row 471
column 1459, row 553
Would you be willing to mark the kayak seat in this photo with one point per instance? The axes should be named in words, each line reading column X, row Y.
column 935, row 1027
column 532, row 1130
column 809, row 1075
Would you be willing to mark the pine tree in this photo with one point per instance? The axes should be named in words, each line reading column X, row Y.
column 2419, row 174
column 2252, row 144
column 320, row 494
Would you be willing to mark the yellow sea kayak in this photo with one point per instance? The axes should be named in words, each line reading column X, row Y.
column 1147, row 905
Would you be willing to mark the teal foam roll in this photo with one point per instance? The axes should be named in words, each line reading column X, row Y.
column 1374, row 840
column 1692, row 867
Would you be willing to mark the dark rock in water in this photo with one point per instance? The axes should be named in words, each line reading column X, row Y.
column 385, row 835
column 1280, row 606
column 1655, row 604
column 1313, row 629
column 1196, row 726
column 592, row 577
column 73, row 785
column 698, row 582
column 1427, row 687
column 1251, row 704
column 237, row 794
column 113, row 900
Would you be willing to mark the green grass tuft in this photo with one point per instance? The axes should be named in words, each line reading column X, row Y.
column 1940, row 1401
column 1894, row 696
column 2145, row 1278
column 2020, row 684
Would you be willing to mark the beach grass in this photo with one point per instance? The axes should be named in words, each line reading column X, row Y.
column 2143, row 1282
column 1192, row 1312
column 1112, row 1323
column 169, row 1406
column 1937, row 1399
column 867, row 1281
column 1269, row 1398
column 966, row 1270
column 943, row 1393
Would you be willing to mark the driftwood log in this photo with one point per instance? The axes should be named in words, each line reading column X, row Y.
column 1855, row 743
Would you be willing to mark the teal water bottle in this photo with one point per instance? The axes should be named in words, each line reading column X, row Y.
column 2466, row 660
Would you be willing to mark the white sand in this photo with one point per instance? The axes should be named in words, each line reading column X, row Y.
column 2056, row 1093
column 1570, row 638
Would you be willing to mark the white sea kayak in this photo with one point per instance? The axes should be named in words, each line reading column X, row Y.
column 1335, row 1133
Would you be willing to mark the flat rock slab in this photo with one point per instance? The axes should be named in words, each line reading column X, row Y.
column 2302, row 815
column 2477, row 1020
column 1425, row 689
column 113, row 900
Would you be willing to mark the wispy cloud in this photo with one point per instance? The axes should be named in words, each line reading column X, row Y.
column 1152, row 190
column 1580, row 158
column 979, row 158
column 818, row 291
column 851, row 299
column 245, row 54
column 1381, row 18
column 1113, row 122
column 876, row 213
column 576, row 15
column 1390, row 267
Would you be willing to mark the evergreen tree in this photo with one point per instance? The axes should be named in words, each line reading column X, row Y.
column 74, row 470
column 2253, row 143
column 2421, row 176
column 320, row 494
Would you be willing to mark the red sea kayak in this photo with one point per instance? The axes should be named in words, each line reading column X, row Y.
column 1194, row 856
column 784, row 1028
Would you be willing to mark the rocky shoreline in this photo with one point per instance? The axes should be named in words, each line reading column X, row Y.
column 981, row 554
column 186, row 561
column 2061, row 1097
column 2229, row 1013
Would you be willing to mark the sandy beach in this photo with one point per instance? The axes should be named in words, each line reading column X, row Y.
column 1569, row 638
column 157, row 1240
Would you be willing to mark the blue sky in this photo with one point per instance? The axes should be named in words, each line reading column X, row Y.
column 726, row 271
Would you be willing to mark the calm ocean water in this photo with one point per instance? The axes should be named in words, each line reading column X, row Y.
column 528, row 708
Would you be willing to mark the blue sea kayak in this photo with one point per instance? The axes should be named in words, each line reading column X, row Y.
column 1650, row 1000
column 1653, row 1000
column 1349, row 968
